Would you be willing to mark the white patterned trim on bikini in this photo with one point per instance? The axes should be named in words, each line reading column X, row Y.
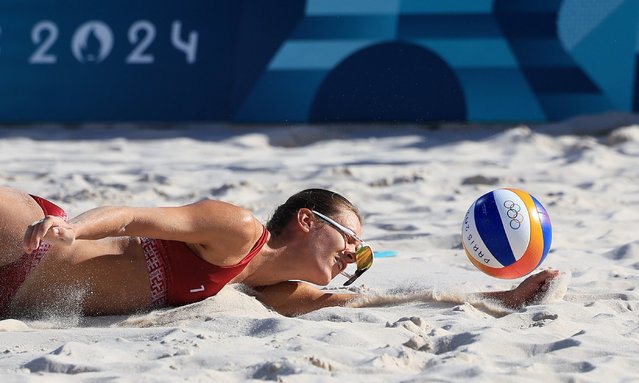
column 158, row 272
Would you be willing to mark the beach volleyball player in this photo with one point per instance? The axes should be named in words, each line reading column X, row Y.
column 123, row 260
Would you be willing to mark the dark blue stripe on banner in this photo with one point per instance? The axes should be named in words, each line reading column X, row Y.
column 559, row 80
column 527, row 6
column 346, row 27
column 449, row 26
column 490, row 229
column 528, row 25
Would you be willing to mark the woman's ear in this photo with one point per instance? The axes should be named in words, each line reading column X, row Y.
column 305, row 219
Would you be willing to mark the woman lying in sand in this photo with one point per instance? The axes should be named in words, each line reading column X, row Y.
column 127, row 259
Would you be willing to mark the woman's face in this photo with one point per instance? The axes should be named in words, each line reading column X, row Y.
column 333, row 250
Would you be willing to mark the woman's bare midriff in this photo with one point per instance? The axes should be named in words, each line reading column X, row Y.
column 102, row 277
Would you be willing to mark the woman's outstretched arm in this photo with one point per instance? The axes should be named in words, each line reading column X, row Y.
column 296, row 298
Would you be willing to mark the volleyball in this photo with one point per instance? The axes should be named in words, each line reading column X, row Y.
column 506, row 233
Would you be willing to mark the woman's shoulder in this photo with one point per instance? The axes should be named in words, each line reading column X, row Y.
column 232, row 236
column 237, row 219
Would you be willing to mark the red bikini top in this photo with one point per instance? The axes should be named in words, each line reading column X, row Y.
column 192, row 279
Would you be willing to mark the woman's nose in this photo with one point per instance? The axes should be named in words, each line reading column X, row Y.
column 350, row 256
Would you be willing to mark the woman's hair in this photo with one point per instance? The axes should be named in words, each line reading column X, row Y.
column 324, row 201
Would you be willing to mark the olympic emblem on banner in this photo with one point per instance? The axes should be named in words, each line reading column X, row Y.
column 92, row 42
column 516, row 219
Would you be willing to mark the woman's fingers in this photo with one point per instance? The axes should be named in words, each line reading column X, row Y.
column 539, row 284
column 38, row 230
column 31, row 238
column 541, row 278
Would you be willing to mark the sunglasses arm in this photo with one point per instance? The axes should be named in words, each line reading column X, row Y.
column 352, row 277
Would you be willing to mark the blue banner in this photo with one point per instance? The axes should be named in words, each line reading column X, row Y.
column 316, row 60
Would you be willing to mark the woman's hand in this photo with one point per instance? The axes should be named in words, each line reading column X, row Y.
column 52, row 229
column 532, row 290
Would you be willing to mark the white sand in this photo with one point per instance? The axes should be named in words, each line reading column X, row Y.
column 413, row 185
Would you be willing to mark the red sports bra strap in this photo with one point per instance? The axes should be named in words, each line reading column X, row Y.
column 257, row 247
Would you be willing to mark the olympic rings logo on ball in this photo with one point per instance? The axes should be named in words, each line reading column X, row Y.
column 516, row 219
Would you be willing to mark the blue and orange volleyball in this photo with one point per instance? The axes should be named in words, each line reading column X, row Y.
column 506, row 233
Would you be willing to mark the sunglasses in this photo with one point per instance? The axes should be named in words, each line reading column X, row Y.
column 363, row 251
